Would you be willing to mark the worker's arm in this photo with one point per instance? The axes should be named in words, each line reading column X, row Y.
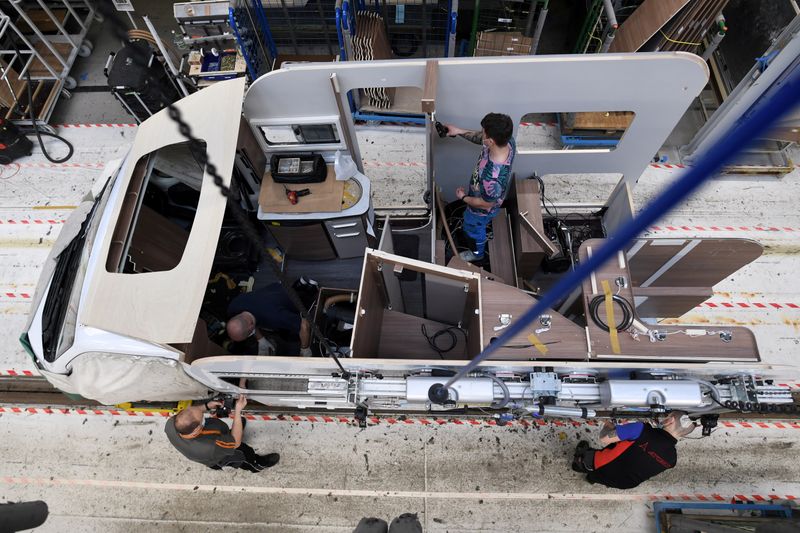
column 479, row 203
column 611, row 433
column 236, row 430
column 475, row 137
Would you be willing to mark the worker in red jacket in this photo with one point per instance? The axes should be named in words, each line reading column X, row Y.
column 633, row 452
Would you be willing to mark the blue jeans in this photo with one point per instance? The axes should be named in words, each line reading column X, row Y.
column 475, row 229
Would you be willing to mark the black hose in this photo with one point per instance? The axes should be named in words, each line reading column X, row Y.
column 627, row 312
column 33, row 119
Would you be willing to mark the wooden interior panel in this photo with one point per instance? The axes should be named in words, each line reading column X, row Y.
column 158, row 243
column 567, row 338
column 710, row 262
column 248, row 144
column 460, row 264
column 501, row 255
column 444, row 299
column 529, row 253
column 666, row 302
column 677, row 346
column 401, row 338
column 650, row 257
column 308, row 242
column 439, row 251
column 200, row 346
column 643, row 23
column 367, row 328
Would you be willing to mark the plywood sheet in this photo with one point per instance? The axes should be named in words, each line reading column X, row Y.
column 644, row 23
column 564, row 341
column 677, row 346
column 325, row 197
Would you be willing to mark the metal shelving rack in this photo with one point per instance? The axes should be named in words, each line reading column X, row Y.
column 44, row 54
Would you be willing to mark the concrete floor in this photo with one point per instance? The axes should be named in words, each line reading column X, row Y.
column 117, row 473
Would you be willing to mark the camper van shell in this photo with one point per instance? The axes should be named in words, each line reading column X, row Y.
column 117, row 313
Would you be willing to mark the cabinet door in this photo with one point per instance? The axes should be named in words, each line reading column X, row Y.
column 303, row 242
column 348, row 235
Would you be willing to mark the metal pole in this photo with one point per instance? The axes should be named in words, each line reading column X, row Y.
column 474, row 31
column 346, row 120
column 722, row 29
column 611, row 28
column 537, row 35
column 43, row 39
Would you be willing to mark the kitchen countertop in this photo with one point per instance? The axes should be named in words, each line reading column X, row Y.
column 359, row 208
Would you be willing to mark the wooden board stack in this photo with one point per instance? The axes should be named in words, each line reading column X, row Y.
column 372, row 42
column 507, row 43
column 686, row 31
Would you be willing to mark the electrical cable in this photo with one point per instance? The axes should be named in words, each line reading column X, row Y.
column 444, row 331
column 70, row 148
column 506, row 392
column 627, row 312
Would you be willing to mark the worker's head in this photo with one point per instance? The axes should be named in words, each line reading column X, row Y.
column 672, row 424
column 189, row 421
column 497, row 129
column 241, row 326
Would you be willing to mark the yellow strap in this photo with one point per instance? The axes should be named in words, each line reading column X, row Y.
column 678, row 42
column 612, row 322
column 533, row 339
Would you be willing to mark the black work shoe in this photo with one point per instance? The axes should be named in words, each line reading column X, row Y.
column 577, row 460
column 266, row 461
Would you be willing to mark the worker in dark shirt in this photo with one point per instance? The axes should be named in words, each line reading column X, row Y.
column 267, row 308
column 209, row 441
column 633, row 452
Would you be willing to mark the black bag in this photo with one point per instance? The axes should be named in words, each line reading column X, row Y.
column 298, row 168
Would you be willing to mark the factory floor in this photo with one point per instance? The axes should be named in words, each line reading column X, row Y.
column 110, row 471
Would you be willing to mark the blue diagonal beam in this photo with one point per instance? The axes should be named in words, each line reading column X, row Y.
column 784, row 97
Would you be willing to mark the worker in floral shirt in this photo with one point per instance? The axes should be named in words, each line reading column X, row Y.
column 490, row 178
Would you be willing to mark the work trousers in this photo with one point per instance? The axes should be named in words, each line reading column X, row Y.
column 475, row 228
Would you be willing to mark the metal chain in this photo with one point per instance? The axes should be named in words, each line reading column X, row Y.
column 241, row 218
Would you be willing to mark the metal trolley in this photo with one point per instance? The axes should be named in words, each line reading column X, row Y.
column 41, row 40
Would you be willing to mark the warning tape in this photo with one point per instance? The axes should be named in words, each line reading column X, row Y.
column 61, row 165
column 97, row 125
column 34, row 221
column 725, row 228
column 376, row 164
column 373, row 420
column 14, row 295
column 539, row 124
column 18, row 373
column 746, row 305
column 667, row 166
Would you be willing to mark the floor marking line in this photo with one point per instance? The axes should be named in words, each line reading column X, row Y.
column 360, row 493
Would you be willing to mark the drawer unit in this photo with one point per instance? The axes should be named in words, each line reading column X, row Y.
column 348, row 236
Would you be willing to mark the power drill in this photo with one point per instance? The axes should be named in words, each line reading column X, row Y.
column 13, row 144
column 294, row 195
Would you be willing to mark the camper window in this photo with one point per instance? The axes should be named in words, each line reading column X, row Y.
column 158, row 211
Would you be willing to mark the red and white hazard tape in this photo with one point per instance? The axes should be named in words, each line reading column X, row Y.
column 14, row 296
column 391, row 421
column 377, row 164
column 720, row 498
column 667, row 166
column 61, row 165
column 746, row 305
column 724, row 228
column 539, row 124
column 96, row 125
column 18, row 373
column 33, row 221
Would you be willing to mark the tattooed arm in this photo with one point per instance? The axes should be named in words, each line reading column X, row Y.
column 475, row 137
